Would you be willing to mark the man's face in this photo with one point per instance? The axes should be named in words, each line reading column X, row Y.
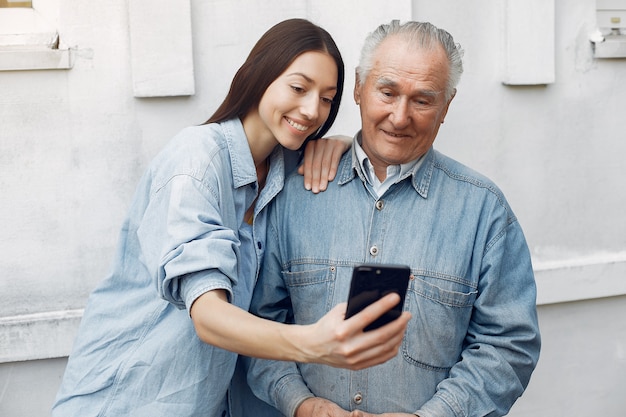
column 402, row 102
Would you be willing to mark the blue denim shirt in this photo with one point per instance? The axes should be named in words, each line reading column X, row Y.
column 473, row 340
column 137, row 353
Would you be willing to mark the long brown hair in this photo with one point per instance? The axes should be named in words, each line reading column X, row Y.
column 269, row 58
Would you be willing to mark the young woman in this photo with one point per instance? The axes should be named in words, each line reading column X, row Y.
column 160, row 335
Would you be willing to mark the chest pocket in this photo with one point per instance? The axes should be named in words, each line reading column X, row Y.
column 311, row 292
column 440, row 316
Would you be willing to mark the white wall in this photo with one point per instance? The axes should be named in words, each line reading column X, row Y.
column 582, row 368
column 74, row 142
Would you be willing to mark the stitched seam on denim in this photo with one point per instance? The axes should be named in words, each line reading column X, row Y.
column 410, row 360
column 445, row 277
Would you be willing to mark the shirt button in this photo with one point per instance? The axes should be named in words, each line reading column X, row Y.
column 358, row 398
column 379, row 205
column 259, row 245
column 374, row 250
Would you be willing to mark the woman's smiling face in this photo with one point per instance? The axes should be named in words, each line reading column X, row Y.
column 298, row 102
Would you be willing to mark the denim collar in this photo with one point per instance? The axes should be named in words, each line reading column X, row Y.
column 243, row 169
column 420, row 174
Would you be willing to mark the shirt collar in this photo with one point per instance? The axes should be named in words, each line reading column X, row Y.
column 395, row 173
column 242, row 163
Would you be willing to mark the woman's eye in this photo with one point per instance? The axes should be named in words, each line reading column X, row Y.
column 327, row 100
column 297, row 89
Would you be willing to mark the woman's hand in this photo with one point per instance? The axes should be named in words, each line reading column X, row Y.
column 337, row 342
column 321, row 159
column 332, row 340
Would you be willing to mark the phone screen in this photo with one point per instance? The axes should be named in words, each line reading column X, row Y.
column 372, row 282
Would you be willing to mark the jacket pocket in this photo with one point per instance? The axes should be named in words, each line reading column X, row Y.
column 439, row 323
column 311, row 292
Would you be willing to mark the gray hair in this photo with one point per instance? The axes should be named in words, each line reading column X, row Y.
column 422, row 34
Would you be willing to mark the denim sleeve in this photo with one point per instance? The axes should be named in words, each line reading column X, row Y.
column 184, row 243
column 502, row 345
column 278, row 383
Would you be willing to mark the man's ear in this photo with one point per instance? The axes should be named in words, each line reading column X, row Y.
column 452, row 96
column 357, row 84
column 445, row 112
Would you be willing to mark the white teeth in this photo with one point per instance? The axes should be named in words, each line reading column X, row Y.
column 298, row 126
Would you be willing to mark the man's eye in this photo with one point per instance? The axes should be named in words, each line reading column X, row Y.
column 423, row 102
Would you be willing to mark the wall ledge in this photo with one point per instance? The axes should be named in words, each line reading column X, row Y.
column 36, row 59
column 38, row 336
column 30, row 41
column 583, row 278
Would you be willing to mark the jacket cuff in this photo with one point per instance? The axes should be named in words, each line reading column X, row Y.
column 437, row 406
column 291, row 391
column 193, row 286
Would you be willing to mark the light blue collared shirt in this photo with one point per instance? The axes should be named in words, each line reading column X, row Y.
column 137, row 353
column 473, row 339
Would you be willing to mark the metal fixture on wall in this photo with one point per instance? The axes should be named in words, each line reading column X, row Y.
column 609, row 39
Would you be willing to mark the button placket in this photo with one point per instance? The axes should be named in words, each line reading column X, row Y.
column 380, row 205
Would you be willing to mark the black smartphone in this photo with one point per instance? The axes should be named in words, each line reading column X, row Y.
column 371, row 282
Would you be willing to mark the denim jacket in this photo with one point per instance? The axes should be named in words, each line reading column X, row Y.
column 473, row 340
column 137, row 353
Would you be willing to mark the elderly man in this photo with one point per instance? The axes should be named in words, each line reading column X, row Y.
column 473, row 339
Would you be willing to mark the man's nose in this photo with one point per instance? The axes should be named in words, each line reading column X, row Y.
column 400, row 116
